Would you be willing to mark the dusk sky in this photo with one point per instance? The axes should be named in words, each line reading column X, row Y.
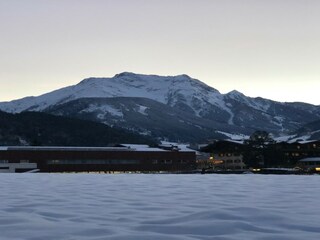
column 267, row 48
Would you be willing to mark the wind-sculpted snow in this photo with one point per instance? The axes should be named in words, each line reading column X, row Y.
column 96, row 207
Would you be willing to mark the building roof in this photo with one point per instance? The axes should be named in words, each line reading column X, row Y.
column 121, row 147
column 143, row 148
column 311, row 159
column 58, row 148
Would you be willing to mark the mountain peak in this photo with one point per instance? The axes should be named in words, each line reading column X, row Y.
column 183, row 76
column 131, row 74
column 125, row 74
column 235, row 93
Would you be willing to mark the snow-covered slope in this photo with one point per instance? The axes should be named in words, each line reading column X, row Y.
column 199, row 105
column 168, row 90
column 310, row 131
column 159, row 207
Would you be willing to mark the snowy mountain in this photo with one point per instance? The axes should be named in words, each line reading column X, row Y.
column 167, row 90
column 173, row 107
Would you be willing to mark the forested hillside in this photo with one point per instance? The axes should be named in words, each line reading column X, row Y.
column 34, row 128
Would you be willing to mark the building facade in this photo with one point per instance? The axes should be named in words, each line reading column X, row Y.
column 97, row 159
column 309, row 164
column 228, row 161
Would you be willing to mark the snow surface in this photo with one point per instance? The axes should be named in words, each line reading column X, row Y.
column 143, row 148
column 185, row 207
column 285, row 138
column 184, row 147
column 142, row 109
column 104, row 109
column 235, row 136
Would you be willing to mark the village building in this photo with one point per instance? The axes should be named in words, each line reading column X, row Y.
column 226, row 155
column 238, row 155
column 134, row 158
column 312, row 163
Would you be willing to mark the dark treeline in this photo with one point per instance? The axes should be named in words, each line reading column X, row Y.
column 34, row 128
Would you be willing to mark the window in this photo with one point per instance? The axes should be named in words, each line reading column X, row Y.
column 166, row 161
column 53, row 161
column 4, row 161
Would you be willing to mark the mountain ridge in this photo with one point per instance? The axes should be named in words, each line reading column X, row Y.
column 197, row 103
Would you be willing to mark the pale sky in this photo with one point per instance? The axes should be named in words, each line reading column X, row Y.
column 267, row 48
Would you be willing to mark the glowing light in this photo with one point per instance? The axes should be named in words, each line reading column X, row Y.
column 217, row 162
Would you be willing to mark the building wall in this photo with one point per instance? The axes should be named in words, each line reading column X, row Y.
column 83, row 161
column 232, row 161
column 309, row 163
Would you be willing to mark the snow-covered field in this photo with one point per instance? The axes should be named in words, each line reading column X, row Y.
column 93, row 206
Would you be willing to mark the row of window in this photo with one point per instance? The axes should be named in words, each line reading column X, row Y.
column 93, row 161
column 104, row 161
column 99, row 161
column 234, row 161
column 312, row 163
column 228, row 154
column 309, row 146
column 7, row 161
column 295, row 154
column 167, row 161
column 232, row 168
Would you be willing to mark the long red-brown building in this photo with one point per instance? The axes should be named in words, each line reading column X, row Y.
column 135, row 158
